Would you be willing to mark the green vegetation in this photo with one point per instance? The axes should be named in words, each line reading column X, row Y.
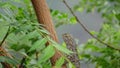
column 103, row 55
column 25, row 34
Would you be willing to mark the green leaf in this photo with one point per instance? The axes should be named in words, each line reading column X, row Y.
column 93, row 32
column 55, row 12
column 60, row 62
column 38, row 44
column 93, row 47
column 2, row 4
column 8, row 60
column 73, row 20
column 70, row 65
column 78, row 8
column 48, row 53
column 86, row 56
column 61, row 48
column 118, row 16
column 42, row 31
column 33, row 34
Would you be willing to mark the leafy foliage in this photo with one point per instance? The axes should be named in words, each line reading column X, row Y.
column 25, row 37
column 61, row 18
column 95, row 52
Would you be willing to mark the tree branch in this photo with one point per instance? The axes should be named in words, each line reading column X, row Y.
column 83, row 26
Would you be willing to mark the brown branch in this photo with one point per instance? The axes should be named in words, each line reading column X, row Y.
column 83, row 26
column 6, row 35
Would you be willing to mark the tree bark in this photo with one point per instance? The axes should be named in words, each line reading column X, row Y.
column 44, row 18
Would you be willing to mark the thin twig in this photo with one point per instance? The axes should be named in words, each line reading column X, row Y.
column 6, row 35
column 83, row 26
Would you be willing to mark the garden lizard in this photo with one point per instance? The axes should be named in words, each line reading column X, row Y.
column 71, row 45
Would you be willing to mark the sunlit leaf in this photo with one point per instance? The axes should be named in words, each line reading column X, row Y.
column 60, row 62
column 73, row 20
column 38, row 44
column 61, row 48
column 47, row 54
